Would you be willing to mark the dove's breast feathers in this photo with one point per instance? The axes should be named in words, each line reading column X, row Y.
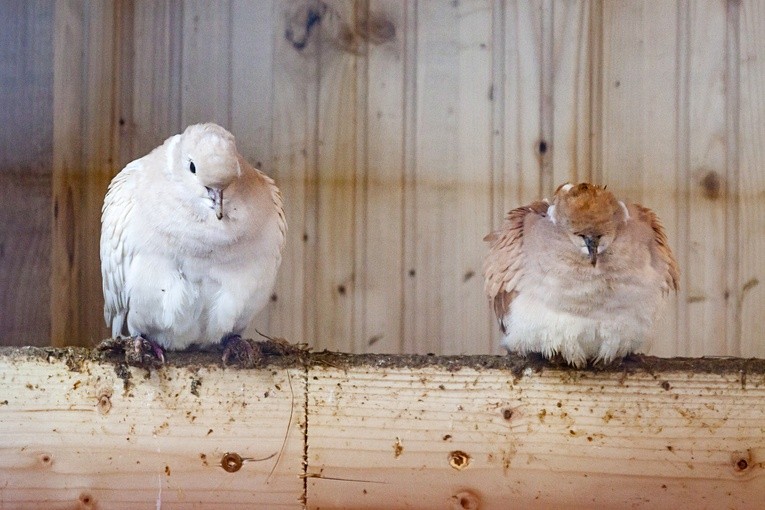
column 548, row 298
column 173, row 271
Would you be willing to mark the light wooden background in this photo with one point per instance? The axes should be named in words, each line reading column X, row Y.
column 400, row 133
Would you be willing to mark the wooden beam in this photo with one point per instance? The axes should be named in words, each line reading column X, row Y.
column 374, row 431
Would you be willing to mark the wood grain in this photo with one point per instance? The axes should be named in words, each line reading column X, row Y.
column 151, row 93
column 344, row 431
column 705, row 173
column 206, row 72
column 380, row 222
column 396, row 148
column 749, row 294
column 432, row 438
column 82, row 436
column 572, row 70
column 452, row 175
column 85, row 154
column 338, row 129
column 295, row 96
column 26, row 154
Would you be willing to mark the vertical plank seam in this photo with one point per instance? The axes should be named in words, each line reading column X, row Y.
column 498, row 164
column 732, row 238
column 581, row 40
column 85, row 161
column 63, row 284
column 175, row 35
column 116, row 95
column 311, row 193
column 359, row 324
column 595, row 45
column 182, row 69
column 409, row 163
column 272, row 154
column 682, row 153
column 230, row 66
column 546, row 105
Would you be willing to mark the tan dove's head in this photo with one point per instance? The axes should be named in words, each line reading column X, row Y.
column 208, row 153
column 589, row 214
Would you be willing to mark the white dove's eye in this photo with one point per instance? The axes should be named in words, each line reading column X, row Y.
column 192, row 167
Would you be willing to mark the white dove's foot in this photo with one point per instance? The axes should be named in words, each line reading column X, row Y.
column 139, row 351
column 238, row 351
column 146, row 352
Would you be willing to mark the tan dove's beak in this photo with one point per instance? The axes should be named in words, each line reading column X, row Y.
column 592, row 248
column 217, row 197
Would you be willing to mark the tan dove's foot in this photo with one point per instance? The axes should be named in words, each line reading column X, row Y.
column 238, row 351
column 139, row 351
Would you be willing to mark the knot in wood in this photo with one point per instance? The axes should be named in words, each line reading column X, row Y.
column 104, row 403
column 712, row 185
column 466, row 500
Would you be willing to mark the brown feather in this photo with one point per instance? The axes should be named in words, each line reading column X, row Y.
column 505, row 250
column 663, row 250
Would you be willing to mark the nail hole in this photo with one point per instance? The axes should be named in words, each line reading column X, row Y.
column 459, row 460
column 741, row 460
column 231, row 462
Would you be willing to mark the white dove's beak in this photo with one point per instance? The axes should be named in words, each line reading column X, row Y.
column 217, row 197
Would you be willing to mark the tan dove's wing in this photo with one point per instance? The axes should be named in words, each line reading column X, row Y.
column 503, row 265
column 116, row 252
column 661, row 255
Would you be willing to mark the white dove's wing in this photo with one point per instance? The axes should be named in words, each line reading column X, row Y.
column 116, row 247
column 503, row 266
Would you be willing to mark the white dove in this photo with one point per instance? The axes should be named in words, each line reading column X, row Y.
column 191, row 241
column 583, row 277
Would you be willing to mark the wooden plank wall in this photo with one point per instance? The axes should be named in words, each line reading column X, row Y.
column 26, row 154
column 400, row 133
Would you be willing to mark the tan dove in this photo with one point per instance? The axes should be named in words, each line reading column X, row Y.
column 191, row 241
column 583, row 277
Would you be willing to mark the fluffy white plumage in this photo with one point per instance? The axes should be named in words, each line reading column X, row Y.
column 191, row 241
column 584, row 277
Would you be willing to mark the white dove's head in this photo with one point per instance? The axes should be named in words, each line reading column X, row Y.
column 589, row 215
column 209, row 155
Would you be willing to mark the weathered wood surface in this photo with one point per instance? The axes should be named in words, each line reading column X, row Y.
column 400, row 133
column 77, row 433
column 380, row 432
column 26, row 153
